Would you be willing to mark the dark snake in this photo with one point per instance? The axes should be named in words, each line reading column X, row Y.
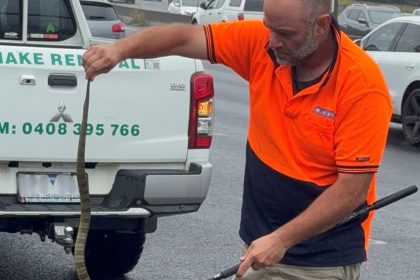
column 85, row 207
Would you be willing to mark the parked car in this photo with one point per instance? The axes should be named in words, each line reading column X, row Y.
column 209, row 11
column 227, row 10
column 147, row 155
column 102, row 19
column 395, row 46
column 243, row 9
column 184, row 7
column 416, row 12
column 358, row 20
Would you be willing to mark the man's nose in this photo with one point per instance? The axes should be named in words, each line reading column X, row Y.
column 275, row 41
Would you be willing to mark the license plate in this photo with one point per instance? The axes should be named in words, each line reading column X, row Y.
column 47, row 188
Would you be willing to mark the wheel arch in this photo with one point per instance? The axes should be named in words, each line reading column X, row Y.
column 411, row 131
column 413, row 85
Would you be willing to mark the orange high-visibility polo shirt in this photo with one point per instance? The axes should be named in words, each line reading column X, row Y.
column 339, row 124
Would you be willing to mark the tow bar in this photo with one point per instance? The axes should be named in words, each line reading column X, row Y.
column 63, row 235
column 374, row 206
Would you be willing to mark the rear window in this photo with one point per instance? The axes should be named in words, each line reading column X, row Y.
column 190, row 3
column 379, row 17
column 354, row 14
column 10, row 20
column 254, row 5
column 48, row 20
column 235, row 3
column 98, row 11
column 51, row 20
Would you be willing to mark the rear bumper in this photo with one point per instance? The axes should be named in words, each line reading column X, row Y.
column 71, row 212
column 134, row 194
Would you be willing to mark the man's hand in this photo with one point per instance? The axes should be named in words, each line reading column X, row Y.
column 101, row 59
column 263, row 252
column 347, row 193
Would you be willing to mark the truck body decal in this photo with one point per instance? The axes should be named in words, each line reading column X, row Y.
column 60, row 59
column 61, row 129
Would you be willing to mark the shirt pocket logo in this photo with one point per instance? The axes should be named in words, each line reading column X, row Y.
column 323, row 112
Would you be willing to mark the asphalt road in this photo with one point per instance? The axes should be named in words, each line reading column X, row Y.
column 198, row 245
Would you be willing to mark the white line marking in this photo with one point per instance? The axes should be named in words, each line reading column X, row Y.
column 377, row 242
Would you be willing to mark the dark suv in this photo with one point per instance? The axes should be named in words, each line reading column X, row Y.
column 357, row 20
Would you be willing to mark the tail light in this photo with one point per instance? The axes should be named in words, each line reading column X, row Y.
column 118, row 27
column 241, row 16
column 200, row 130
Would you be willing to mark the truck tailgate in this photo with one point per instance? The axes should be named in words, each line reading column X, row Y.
column 139, row 111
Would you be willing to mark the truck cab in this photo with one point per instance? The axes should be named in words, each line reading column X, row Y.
column 243, row 9
column 209, row 11
column 148, row 136
column 228, row 10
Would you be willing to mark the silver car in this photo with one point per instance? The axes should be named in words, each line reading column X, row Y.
column 102, row 19
column 395, row 46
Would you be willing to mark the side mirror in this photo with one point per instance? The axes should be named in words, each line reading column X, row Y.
column 203, row 5
column 358, row 42
column 362, row 21
column 176, row 4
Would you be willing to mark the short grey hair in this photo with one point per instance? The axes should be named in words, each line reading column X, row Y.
column 316, row 7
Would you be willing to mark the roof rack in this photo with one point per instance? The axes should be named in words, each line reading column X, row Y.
column 391, row 7
column 360, row 4
column 384, row 6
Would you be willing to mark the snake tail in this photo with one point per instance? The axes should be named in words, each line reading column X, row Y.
column 85, row 207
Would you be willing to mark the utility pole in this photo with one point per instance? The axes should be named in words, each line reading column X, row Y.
column 334, row 8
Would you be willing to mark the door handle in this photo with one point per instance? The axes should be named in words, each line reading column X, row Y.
column 409, row 66
column 63, row 80
column 27, row 80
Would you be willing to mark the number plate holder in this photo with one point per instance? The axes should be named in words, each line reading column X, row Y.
column 47, row 188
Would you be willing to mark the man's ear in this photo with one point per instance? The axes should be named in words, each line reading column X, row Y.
column 323, row 23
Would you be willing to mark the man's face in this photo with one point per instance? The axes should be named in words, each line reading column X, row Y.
column 292, row 33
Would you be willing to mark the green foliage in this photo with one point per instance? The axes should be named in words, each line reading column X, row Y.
column 138, row 18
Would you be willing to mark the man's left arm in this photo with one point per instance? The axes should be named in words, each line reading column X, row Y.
column 332, row 206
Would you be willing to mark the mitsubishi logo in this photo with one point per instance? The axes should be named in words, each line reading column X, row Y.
column 60, row 114
column 53, row 178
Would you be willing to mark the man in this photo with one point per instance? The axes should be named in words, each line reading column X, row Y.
column 319, row 114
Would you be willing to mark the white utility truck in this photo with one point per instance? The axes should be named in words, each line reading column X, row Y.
column 147, row 150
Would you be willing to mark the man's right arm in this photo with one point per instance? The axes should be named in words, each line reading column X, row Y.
column 173, row 39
